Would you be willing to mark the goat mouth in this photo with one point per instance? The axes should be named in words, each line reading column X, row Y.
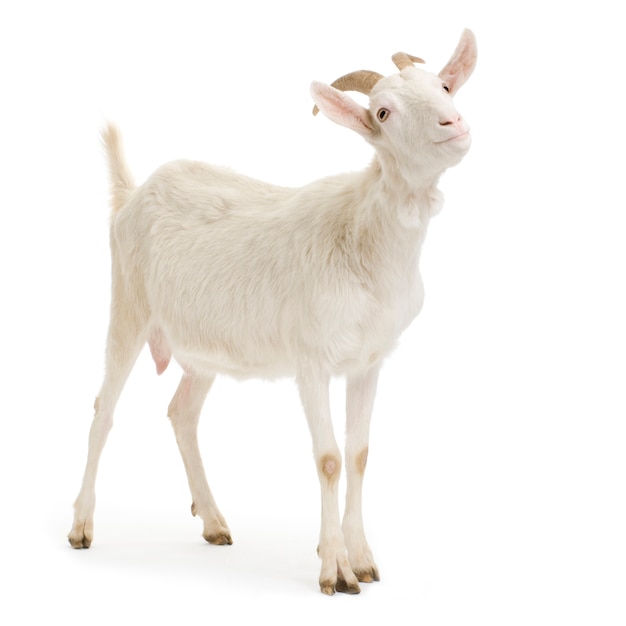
column 462, row 135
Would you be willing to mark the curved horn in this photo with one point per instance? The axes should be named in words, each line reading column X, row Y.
column 362, row 81
column 402, row 60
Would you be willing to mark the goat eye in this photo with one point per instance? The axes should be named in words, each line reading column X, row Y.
column 445, row 87
column 382, row 114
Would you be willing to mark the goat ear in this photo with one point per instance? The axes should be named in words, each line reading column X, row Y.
column 462, row 63
column 341, row 108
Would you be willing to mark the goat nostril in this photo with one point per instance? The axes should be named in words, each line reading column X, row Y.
column 451, row 122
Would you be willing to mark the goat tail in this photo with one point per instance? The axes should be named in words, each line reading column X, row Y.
column 122, row 183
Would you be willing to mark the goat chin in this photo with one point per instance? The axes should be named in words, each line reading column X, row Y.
column 227, row 274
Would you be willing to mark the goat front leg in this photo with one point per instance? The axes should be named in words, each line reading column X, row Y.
column 360, row 393
column 336, row 573
column 184, row 413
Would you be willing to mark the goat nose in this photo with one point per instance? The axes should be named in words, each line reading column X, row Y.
column 453, row 120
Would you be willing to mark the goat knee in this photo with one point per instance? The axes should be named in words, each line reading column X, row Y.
column 330, row 467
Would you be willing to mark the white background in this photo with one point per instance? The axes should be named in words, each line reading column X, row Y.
column 495, row 492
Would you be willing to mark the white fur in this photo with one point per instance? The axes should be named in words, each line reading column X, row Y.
column 236, row 276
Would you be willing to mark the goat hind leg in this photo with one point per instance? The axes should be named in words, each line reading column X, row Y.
column 184, row 413
column 125, row 340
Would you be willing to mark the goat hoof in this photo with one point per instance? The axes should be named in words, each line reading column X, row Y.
column 367, row 576
column 219, row 539
column 343, row 587
column 327, row 587
column 81, row 535
column 79, row 543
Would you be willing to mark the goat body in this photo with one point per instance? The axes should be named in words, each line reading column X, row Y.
column 232, row 275
column 248, row 279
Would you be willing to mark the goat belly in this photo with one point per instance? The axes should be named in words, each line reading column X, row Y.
column 222, row 362
column 259, row 357
column 269, row 341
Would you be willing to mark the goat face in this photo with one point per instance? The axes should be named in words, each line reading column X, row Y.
column 411, row 121
column 416, row 123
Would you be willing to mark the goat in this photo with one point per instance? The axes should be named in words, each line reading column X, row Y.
column 236, row 276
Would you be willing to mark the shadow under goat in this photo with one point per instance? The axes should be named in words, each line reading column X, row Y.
column 236, row 276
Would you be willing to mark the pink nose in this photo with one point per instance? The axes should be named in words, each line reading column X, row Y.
column 451, row 121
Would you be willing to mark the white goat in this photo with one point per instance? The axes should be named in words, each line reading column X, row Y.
column 236, row 276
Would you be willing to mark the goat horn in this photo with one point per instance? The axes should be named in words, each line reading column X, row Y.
column 402, row 60
column 362, row 81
